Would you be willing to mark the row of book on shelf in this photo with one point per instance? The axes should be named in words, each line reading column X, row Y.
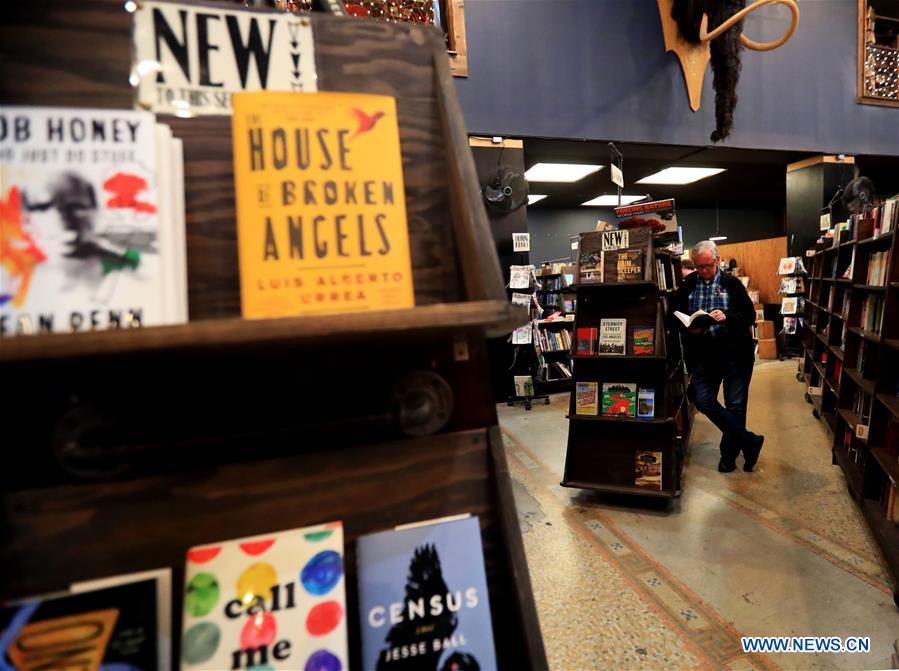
column 872, row 314
column 619, row 399
column 884, row 218
column 878, row 269
column 277, row 601
column 556, row 340
column 611, row 339
column 92, row 208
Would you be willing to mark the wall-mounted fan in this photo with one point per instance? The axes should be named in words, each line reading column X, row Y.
column 858, row 194
column 505, row 190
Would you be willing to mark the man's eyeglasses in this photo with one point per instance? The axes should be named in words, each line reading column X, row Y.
column 702, row 266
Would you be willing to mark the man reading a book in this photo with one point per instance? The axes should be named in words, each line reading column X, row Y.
column 718, row 349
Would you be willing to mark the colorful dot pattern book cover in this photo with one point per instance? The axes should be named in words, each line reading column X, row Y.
column 423, row 599
column 274, row 601
column 321, row 206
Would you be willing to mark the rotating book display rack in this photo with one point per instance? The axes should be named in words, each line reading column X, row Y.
column 129, row 447
column 629, row 417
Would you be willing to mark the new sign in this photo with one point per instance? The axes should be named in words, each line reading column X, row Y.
column 191, row 58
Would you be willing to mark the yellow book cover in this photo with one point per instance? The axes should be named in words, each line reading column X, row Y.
column 321, row 209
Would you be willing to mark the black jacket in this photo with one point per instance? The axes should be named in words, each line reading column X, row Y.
column 734, row 340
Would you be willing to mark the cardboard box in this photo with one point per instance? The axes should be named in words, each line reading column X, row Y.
column 766, row 329
column 767, row 347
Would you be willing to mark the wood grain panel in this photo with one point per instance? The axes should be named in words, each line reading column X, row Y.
column 81, row 56
column 98, row 524
column 759, row 259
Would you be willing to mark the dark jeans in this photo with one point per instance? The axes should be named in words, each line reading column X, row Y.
column 730, row 418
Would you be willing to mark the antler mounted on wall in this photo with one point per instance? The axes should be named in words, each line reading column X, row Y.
column 685, row 26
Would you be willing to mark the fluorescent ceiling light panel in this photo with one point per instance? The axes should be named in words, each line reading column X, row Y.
column 534, row 197
column 680, row 175
column 715, row 238
column 560, row 172
column 612, row 201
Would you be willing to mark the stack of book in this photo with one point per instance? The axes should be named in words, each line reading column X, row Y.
column 92, row 209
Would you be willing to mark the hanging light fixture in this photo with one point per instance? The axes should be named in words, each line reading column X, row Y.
column 717, row 237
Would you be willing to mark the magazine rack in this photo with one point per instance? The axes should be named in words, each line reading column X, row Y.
column 601, row 452
column 124, row 449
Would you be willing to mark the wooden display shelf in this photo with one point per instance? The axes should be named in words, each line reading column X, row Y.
column 619, row 357
column 839, row 315
column 619, row 489
column 835, row 350
column 887, row 536
column 867, row 335
column 849, row 417
column 870, row 287
column 830, row 419
column 643, row 284
column 611, row 469
column 556, row 351
column 246, row 427
column 891, row 403
column 893, row 343
column 851, row 470
column 240, row 332
column 843, row 280
column 862, row 383
column 543, row 322
column 833, row 386
column 879, row 238
column 887, row 462
column 620, row 420
column 820, row 368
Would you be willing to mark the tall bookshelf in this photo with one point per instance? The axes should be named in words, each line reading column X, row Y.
column 552, row 335
column 602, row 451
column 852, row 355
column 129, row 447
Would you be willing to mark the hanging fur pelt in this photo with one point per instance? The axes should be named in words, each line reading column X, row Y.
column 725, row 52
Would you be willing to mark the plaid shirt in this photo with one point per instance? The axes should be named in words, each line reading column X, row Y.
column 710, row 296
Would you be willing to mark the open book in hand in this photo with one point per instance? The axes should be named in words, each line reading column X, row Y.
column 699, row 319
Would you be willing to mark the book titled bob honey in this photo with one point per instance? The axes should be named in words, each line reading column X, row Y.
column 321, row 210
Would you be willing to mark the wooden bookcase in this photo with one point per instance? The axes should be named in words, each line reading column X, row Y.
column 559, row 295
column 601, row 450
column 124, row 449
column 832, row 360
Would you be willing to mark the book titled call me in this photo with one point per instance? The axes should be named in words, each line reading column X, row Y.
column 321, row 207
column 273, row 601
column 423, row 600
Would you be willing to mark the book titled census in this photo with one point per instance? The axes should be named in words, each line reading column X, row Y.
column 275, row 601
column 423, row 598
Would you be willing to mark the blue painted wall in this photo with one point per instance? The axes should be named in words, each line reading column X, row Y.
column 597, row 69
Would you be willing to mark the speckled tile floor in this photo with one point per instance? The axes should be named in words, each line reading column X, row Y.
column 784, row 551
